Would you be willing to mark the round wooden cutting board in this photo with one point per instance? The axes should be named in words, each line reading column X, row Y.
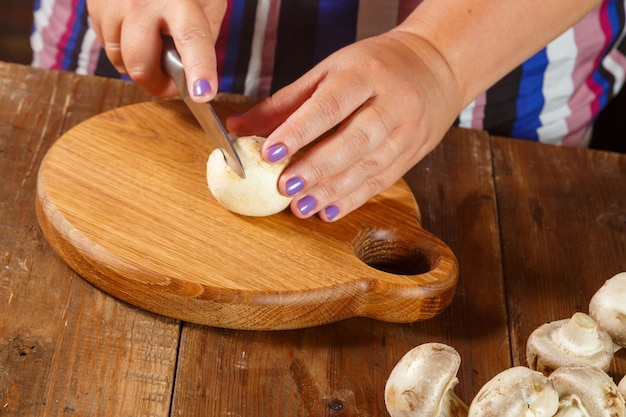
column 122, row 198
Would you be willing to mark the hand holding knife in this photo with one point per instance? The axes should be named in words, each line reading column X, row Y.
column 203, row 112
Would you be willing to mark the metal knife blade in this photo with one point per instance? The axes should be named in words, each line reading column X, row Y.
column 203, row 112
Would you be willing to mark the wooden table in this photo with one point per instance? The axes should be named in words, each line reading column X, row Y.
column 536, row 230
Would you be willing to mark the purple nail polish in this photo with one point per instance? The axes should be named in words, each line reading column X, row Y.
column 201, row 87
column 331, row 211
column 276, row 152
column 294, row 185
column 306, row 205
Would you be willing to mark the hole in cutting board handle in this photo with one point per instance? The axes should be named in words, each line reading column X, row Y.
column 389, row 251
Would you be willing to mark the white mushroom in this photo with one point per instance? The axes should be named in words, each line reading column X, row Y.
column 257, row 194
column 608, row 308
column 586, row 391
column 422, row 383
column 622, row 387
column 574, row 341
column 516, row 392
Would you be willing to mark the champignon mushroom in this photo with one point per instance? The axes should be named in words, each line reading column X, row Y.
column 608, row 308
column 257, row 194
column 516, row 392
column 586, row 391
column 574, row 341
column 422, row 383
column 621, row 387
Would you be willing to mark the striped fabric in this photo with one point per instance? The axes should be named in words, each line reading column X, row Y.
column 553, row 97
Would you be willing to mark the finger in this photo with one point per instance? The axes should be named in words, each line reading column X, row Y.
column 108, row 32
column 141, row 53
column 194, row 38
column 368, row 189
column 312, row 117
column 359, row 135
column 385, row 163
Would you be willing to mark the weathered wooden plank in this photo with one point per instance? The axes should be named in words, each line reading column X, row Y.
column 563, row 225
column 65, row 347
column 341, row 369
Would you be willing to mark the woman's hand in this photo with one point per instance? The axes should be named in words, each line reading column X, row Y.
column 130, row 32
column 391, row 99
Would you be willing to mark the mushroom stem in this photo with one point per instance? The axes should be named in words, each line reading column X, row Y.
column 579, row 334
column 422, row 383
column 573, row 341
column 571, row 406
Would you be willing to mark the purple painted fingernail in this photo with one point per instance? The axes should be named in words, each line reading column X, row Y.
column 307, row 204
column 201, row 87
column 294, row 186
column 331, row 211
column 276, row 152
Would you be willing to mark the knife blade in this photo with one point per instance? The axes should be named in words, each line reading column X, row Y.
column 203, row 112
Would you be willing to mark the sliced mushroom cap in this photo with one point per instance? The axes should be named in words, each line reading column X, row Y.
column 255, row 195
column 608, row 308
column 422, row 383
column 586, row 391
column 516, row 392
column 574, row 341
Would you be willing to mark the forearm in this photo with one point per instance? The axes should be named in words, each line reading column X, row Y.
column 483, row 40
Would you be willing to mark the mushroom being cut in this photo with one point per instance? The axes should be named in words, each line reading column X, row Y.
column 586, row 391
column 608, row 308
column 516, row 392
column 255, row 195
column 574, row 341
column 422, row 383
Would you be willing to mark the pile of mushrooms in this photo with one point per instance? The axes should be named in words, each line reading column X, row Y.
column 566, row 376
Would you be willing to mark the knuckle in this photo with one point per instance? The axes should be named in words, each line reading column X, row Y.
column 377, row 184
column 330, row 107
column 192, row 35
column 357, row 139
column 315, row 169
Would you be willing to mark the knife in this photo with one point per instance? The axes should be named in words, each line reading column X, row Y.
column 203, row 112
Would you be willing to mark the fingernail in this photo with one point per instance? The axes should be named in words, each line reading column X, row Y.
column 276, row 152
column 201, row 87
column 331, row 211
column 294, row 186
column 306, row 205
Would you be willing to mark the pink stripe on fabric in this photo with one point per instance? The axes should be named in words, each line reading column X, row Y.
column 405, row 8
column 60, row 13
column 605, row 24
column 269, row 50
column 586, row 37
column 478, row 113
column 66, row 36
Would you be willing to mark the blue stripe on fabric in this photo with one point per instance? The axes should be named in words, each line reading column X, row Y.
column 78, row 28
column 72, row 42
column 36, row 6
column 600, row 76
column 227, row 77
column 530, row 99
column 336, row 26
